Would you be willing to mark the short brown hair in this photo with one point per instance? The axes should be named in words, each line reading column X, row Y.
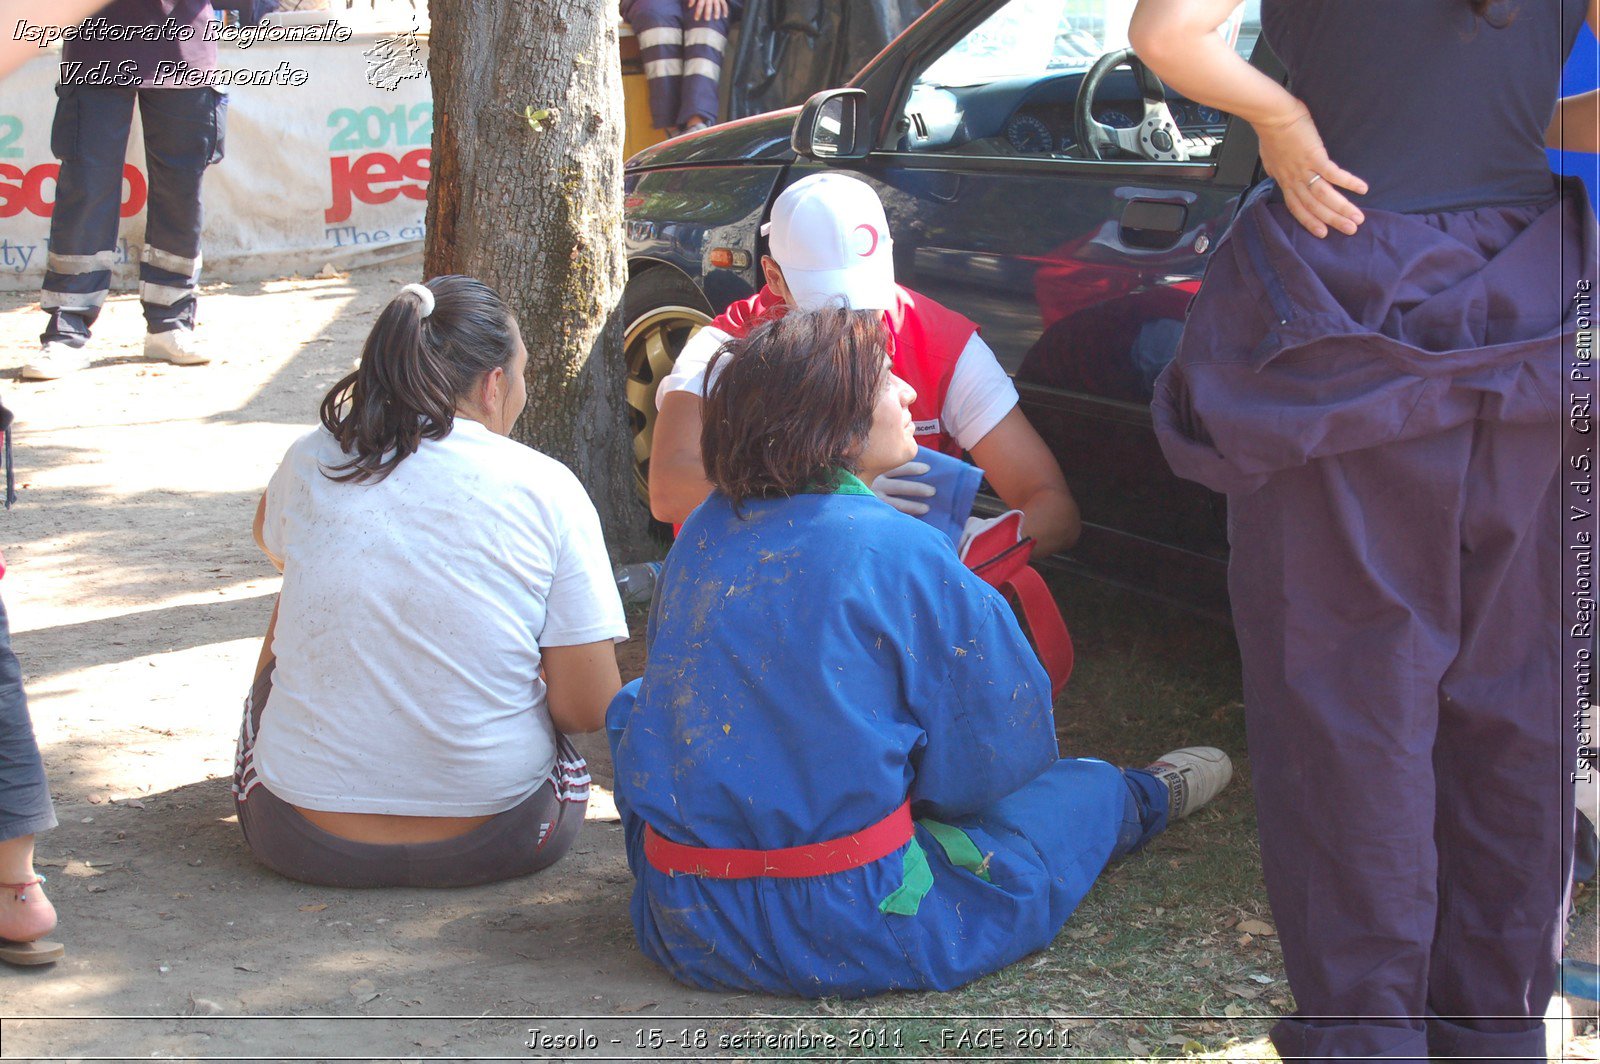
column 792, row 402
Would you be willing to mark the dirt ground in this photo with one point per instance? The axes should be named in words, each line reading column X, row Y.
column 138, row 600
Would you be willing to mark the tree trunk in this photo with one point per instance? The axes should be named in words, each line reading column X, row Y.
column 526, row 195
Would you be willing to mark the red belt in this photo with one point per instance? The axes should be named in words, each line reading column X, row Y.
column 813, row 859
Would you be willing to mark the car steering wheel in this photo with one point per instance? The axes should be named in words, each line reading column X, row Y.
column 1156, row 137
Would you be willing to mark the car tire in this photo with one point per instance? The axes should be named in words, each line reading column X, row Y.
column 661, row 310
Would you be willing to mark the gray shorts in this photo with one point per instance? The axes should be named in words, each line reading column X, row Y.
column 522, row 840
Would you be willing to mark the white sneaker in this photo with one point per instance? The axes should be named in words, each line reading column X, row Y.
column 55, row 359
column 177, row 346
column 1193, row 775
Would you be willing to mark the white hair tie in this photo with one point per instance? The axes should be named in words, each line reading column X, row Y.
column 422, row 292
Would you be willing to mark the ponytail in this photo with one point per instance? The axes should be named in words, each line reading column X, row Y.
column 417, row 364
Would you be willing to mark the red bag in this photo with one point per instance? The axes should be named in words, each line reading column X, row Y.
column 1000, row 555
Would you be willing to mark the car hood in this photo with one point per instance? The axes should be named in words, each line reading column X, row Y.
column 763, row 138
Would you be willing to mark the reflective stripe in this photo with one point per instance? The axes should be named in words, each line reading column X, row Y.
column 656, row 38
column 166, row 260
column 663, row 68
column 705, row 68
column 705, row 36
column 100, row 260
column 162, row 294
column 52, row 300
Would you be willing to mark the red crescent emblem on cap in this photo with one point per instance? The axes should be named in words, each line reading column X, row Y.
column 869, row 252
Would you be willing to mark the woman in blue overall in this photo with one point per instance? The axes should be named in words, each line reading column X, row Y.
column 838, row 775
column 1381, row 391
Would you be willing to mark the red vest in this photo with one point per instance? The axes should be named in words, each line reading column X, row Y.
column 925, row 340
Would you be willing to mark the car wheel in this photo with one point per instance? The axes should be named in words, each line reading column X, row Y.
column 661, row 308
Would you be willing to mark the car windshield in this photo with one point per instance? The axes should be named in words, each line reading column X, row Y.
column 1029, row 38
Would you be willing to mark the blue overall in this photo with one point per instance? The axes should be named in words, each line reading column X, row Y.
column 814, row 662
column 1386, row 413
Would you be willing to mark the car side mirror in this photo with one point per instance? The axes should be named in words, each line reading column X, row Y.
column 833, row 125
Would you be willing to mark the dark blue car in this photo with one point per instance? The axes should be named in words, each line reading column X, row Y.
column 1038, row 180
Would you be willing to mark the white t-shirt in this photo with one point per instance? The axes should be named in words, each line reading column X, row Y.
column 411, row 620
column 980, row 392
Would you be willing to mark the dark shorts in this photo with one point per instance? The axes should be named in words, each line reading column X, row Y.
column 524, row 839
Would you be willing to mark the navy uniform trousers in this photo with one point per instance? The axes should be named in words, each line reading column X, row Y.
column 183, row 134
column 682, row 58
column 1397, row 616
column 1385, row 413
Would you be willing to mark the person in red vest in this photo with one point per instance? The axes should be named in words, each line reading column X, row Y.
column 830, row 244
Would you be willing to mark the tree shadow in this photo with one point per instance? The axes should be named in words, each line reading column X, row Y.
column 47, row 652
column 167, row 916
column 105, row 541
column 294, row 391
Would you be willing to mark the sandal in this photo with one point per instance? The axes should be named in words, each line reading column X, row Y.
column 26, row 954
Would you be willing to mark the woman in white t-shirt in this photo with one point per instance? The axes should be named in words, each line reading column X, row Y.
column 447, row 617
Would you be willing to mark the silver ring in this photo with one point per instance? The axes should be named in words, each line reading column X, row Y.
column 1314, row 179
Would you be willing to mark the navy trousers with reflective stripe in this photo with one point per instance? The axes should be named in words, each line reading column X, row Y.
column 682, row 58
column 1398, row 613
column 183, row 135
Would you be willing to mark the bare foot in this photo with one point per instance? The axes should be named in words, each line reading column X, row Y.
column 26, row 920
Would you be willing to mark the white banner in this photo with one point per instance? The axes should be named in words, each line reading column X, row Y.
column 330, row 171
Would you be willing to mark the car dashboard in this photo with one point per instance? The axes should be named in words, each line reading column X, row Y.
column 1033, row 118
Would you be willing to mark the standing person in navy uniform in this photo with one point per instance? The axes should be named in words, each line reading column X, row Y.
column 1378, row 388
column 102, row 77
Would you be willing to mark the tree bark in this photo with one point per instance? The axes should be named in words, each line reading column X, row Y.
column 532, row 206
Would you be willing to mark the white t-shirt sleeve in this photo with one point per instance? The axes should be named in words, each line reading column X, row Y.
column 283, row 481
column 583, row 605
column 689, row 371
column 980, row 394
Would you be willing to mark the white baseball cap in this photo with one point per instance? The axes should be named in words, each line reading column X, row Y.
column 829, row 234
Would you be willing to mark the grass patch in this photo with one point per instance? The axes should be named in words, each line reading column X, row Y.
column 1164, row 957
column 1153, row 963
